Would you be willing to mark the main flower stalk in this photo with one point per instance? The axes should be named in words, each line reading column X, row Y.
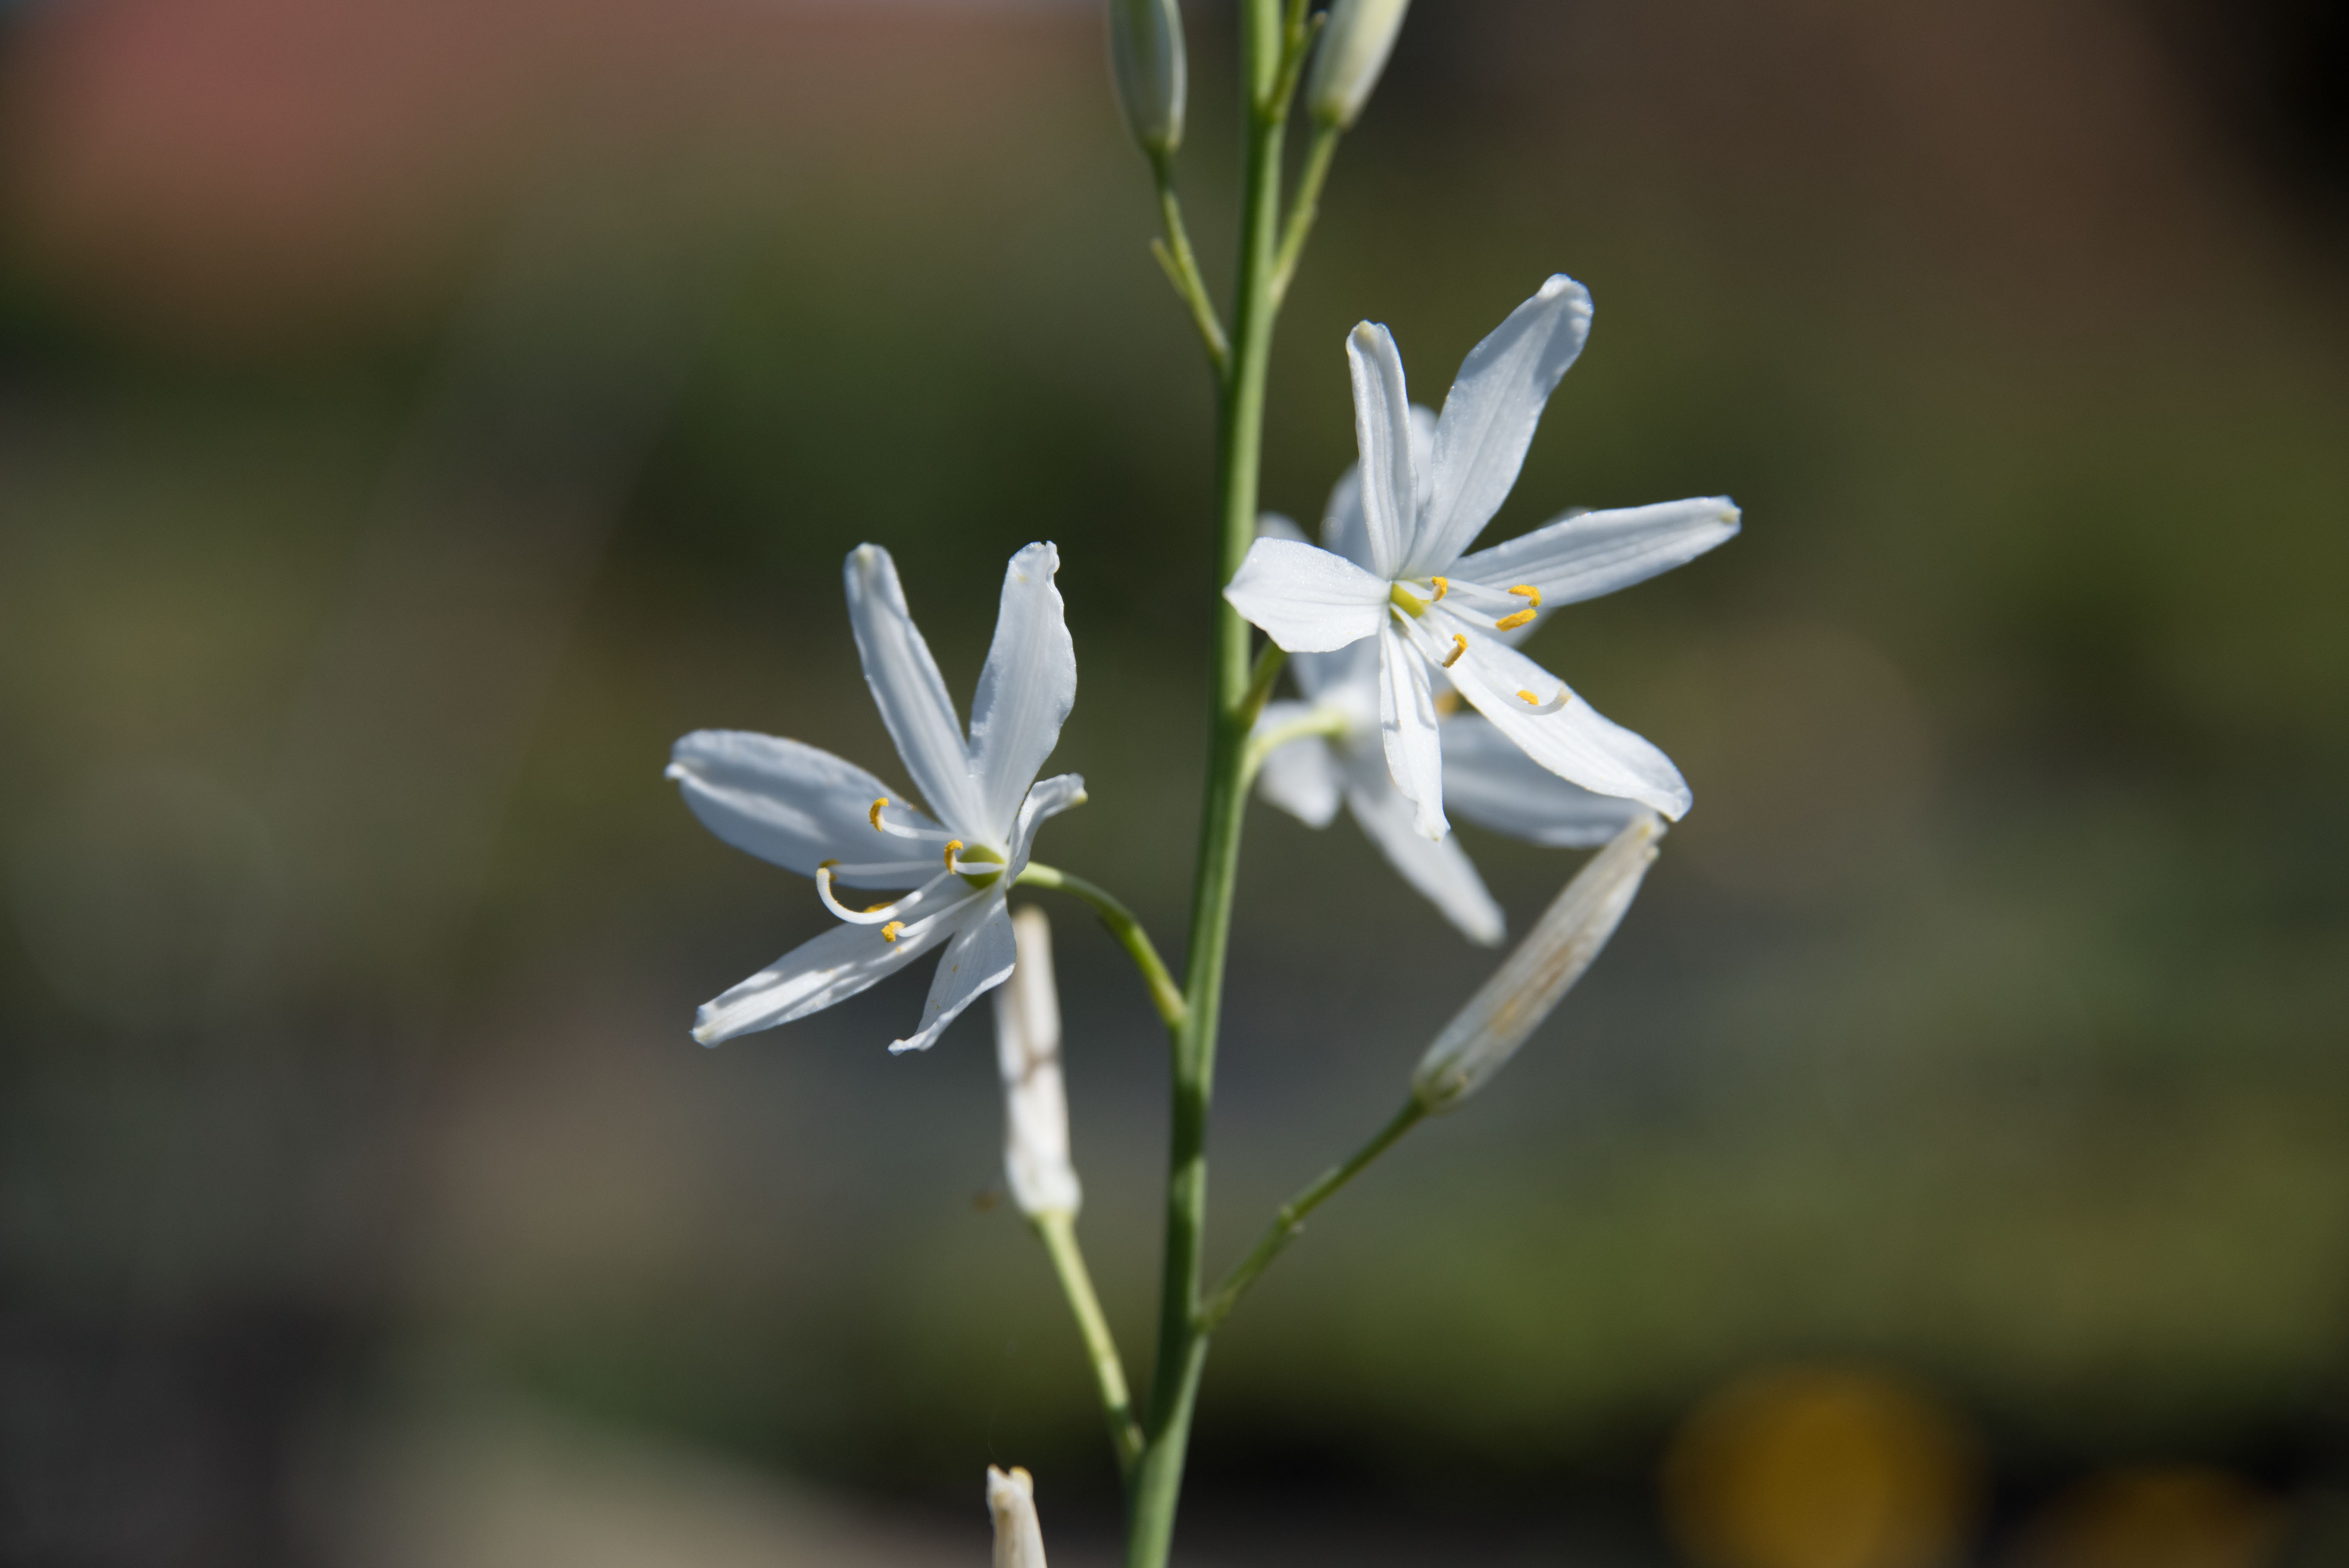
column 1269, row 71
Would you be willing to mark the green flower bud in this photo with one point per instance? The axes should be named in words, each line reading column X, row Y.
column 1145, row 51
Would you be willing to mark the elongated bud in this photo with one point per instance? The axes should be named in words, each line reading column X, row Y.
column 1533, row 979
column 1355, row 43
column 1028, row 1049
column 1011, row 1498
column 1145, row 51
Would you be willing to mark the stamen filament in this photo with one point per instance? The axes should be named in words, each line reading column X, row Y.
column 876, row 913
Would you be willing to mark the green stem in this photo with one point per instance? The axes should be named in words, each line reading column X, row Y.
column 1290, row 1220
column 1181, row 264
column 1270, row 33
column 1122, row 925
column 1308, row 204
column 1320, row 721
column 1058, row 1228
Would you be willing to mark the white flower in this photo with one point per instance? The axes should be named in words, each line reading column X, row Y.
column 1011, row 1498
column 1035, row 1102
column 1535, row 979
column 1435, row 611
column 811, row 812
column 1340, row 758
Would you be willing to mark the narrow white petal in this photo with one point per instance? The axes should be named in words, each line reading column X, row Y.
column 1533, row 980
column 1407, row 727
column 1277, row 525
column 1343, row 530
column 977, row 959
column 1390, row 486
column 1026, row 689
column 1574, row 742
column 832, row 968
column 1489, row 417
column 1307, row 600
column 795, row 806
column 1585, row 555
column 905, row 686
column 1488, row 781
column 1011, row 1498
column 1440, row 869
column 1047, row 799
column 1036, row 1163
column 1300, row 778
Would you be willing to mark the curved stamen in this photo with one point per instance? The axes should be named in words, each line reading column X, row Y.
column 1522, row 617
column 1529, row 591
column 1459, row 646
column 875, row 915
column 875, row 812
column 898, row 830
column 891, row 932
column 952, row 845
column 1442, row 586
column 1539, row 706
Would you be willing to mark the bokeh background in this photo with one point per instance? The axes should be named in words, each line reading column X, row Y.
column 413, row 416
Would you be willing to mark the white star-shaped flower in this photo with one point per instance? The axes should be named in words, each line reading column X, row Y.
column 811, row 812
column 1338, row 757
column 1435, row 610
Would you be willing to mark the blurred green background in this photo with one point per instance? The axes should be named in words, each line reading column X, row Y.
column 413, row 418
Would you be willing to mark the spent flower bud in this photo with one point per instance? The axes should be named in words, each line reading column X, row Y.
column 1011, row 1498
column 1035, row 1103
column 1145, row 51
column 1356, row 40
column 1487, row 1031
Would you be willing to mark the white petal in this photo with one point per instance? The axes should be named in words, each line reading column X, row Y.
column 1026, row 690
column 979, row 958
column 1382, row 431
column 1407, row 727
column 906, row 688
column 1585, row 555
column 1574, row 742
column 834, row 967
column 1307, row 600
column 1440, row 869
column 1047, row 799
column 1275, row 525
column 795, row 806
column 1488, row 781
column 1300, row 778
column 1489, row 417
column 1343, row 531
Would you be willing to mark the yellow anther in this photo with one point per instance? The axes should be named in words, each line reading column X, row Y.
column 1511, row 623
column 1410, row 603
column 1527, row 591
column 1459, row 646
column 1442, row 586
column 952, row 845
column 889, row 933
column 877, row 908
column 1531, row 700
column 873, row 816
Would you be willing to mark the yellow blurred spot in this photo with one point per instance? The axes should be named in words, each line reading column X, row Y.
column 2167, row 1516
column 1447, row 703
column 1820, row 1468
